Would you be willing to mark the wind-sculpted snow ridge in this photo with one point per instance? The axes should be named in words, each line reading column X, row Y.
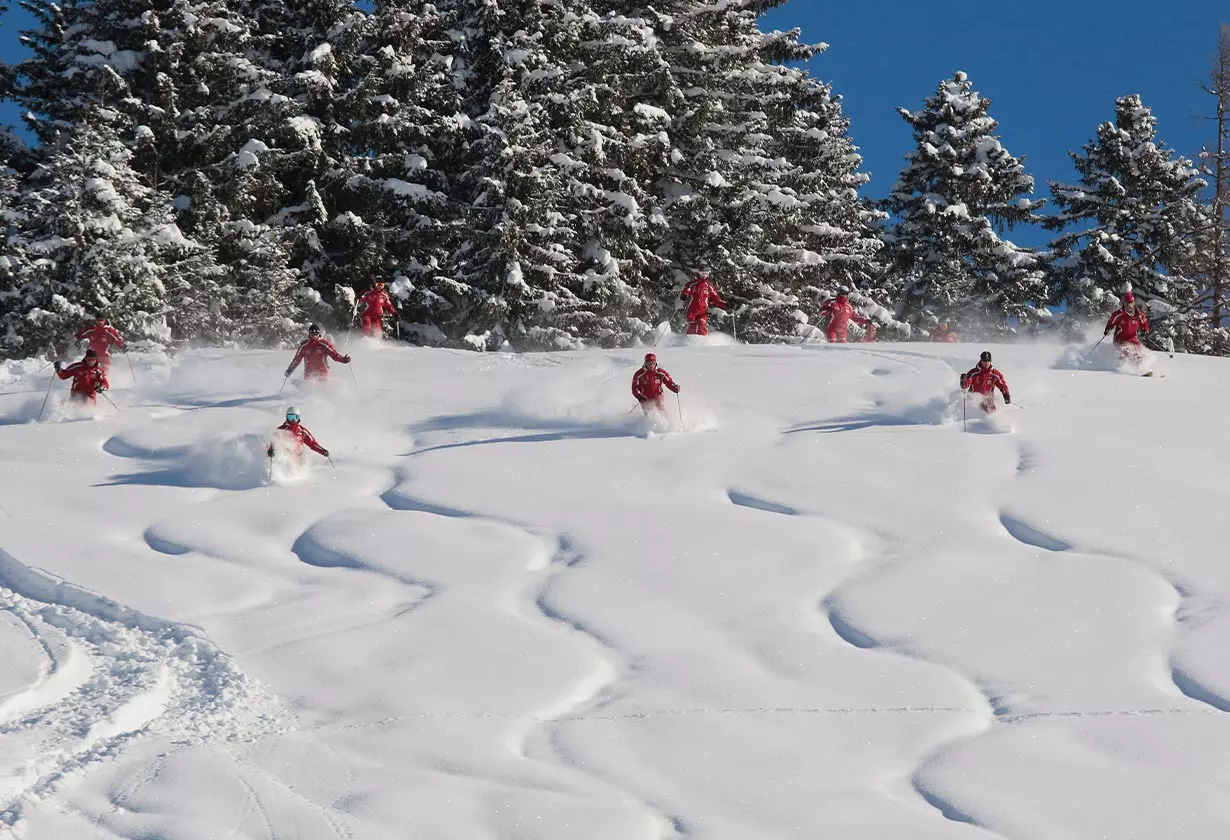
column 111, row 675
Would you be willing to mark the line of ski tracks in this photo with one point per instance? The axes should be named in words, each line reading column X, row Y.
column 532, row 736
column 1192, row 609
column 110, row 675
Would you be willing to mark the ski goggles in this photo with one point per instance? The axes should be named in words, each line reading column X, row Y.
column 293, row 418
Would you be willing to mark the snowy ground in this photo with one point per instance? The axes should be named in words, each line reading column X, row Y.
column 818, row 609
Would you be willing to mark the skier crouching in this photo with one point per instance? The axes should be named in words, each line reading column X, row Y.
column 983, row 380
column 291, row 437
column 89, row 378
column 647, row 384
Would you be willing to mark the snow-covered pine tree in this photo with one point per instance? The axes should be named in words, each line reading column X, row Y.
column 519, row 236
column 395, row 219
column 960, row 190
column 1136, row 219
column 815, row 232
column 608, row 147
column 92, row 238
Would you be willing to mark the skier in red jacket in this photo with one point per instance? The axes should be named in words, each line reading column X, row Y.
column 292, row 437
column 945, row 333
column 315, row 354
column 983, row 380
column 101, row 337
column 647, row 385
column 840, row 313
column 1128, row 322
column 89, row 378
column 701, row 294
column 373, row 306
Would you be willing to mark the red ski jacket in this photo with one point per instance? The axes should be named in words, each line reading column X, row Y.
column 647, row 384
column 984, row 382
column 375, row 304
column 949, row 335
column 87, row 381
column 301, row 437
column 1127, row 325
column 101, row 338
column 840, row 313
column 315, row 354
column 702, row 294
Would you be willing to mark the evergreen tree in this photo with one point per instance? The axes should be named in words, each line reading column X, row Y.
column 91, row 239
column 959, row 191
column 395, row 216
column 1137, row 223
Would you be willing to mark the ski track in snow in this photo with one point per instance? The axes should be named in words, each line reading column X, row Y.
column 112, row 675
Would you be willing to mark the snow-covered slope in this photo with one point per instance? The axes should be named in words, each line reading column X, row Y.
column 815, row 608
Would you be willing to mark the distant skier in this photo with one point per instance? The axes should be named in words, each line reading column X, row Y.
column 315, row 354
column 373, row 306
column 1128, row 322
column 840, row 312
column 983, row 380
column 89, row 378
column 647, row 384
column 101, row 337
column 291, row 436
column 945, row 333
column 701, row 293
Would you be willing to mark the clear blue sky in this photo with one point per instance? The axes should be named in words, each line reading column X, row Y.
column 1052, row 69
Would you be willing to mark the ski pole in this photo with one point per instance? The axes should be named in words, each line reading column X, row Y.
column 679, row 405
column 964, row 410
column 284, row 382
column 1100, row 340
column 352, row 376
column 271, row 469
column 330, row 460
column 130, row 368
column 108, row 399
column 45, row 396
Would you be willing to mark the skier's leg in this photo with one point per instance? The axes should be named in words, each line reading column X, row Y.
column 702, row 325
column 693, row 327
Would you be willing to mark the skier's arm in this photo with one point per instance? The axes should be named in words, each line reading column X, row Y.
column 716, row 299
column 859, row 319
column 688, row 290
column 667, row 381
column 313, row 445
column 294, row 363
column 637, row 388
column 1144, row 321
column 70, row 371
column 114, row 335
column 336, row 356
column 1002, row 385
column 1111, row 323
column 82, row 333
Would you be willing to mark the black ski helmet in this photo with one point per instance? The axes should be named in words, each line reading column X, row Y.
column 985, row 357
column 91, row 353
column 314, row 330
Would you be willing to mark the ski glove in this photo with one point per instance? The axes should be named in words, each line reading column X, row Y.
column 325, row 452
column 345, row 360
column 269, row 452
column 99, row 388
column 289, row 371
column 59, row 366
column 1007, row 399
